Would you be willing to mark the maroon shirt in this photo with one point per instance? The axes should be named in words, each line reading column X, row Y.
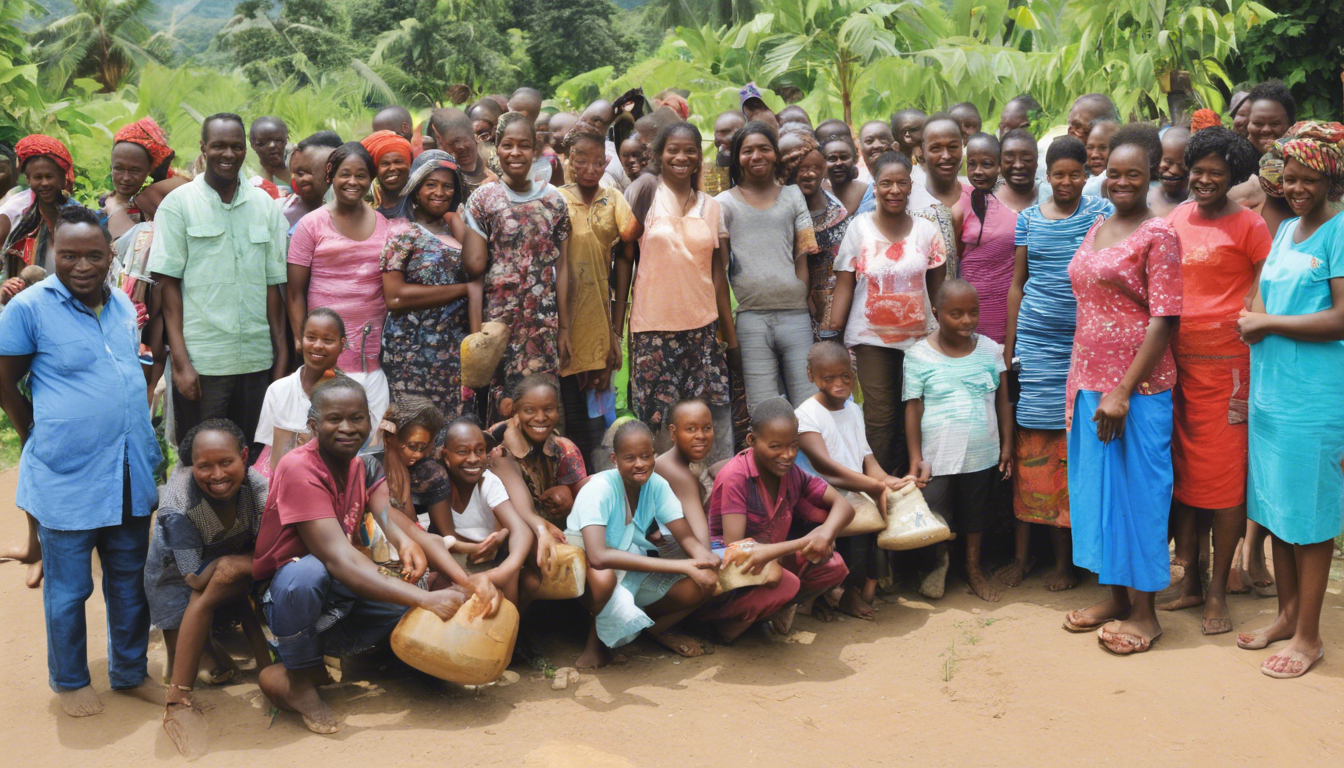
column 738, row 490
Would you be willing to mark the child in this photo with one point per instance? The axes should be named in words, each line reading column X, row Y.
column 200, row 558
column 630, row 591
column 1098, row 146
column 417, row 484
column 550, row 464
column 481, row 517
column 601, row 220
column 634, row 155
column 690, row 426
column 805, row 166
column 830, row 434
column 958, row 425
column 283, row 424
column 755, row 496
column 968, row 119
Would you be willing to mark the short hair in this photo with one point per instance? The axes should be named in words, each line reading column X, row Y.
column 1242, row 158
column 408, row 411
column 983, row 138
column 584, row 130
column 1018, row 134
column 1065, row 148
column 964, row 106
column 950, row 285
column 1100, row 103
column 224, row 117
column 264, row 120
column 827, row 126
column 891, row 157
column 78, row 214
column 905, row 114
column 1144, row 136
column 486, row 105
column 628, row 429
column 320, row 139
column 395, row 112
column 527, row 91
column 186, row 448
column 736, row 114
column 772, row 409
column 345, row 152
column 459, row 423
column 647, row 122
column 535, row 381
column 328, row 388
column 509, row 119
column 882, row 123
column 940, row 117
column 827, row 351
column 445, row 119
column 1028, row 102
column 793, row 109
column 1275, row 90
column 681, row 128
column 1100, row 121
column 753, row 128
column 7, row 153
column 326, row 313
column 682, row 405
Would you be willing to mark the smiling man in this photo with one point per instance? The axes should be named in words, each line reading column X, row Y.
column 219, row 251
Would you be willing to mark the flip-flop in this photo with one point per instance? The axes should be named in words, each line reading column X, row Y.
column 1076, row 628
column 1129, row 643
column 1209, row 627
column 1290, row 675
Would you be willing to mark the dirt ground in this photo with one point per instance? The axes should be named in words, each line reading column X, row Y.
column 950, row 682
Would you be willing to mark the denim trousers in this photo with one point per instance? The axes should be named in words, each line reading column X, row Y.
column 67, row 583
column 774, row 348
column 312, row 615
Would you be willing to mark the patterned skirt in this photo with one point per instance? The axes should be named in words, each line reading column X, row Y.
column 1041, row 476
column 667, row 367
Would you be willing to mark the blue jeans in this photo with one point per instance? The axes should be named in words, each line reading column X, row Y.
column 67, row 569
column 774, row 348
column 312, row 615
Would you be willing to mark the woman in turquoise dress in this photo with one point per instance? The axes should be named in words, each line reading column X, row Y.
column 1296, row 334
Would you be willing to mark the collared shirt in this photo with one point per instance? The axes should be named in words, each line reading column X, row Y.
column 226, row 256
column 90, row 415
column 738, row 490
column 597, row 228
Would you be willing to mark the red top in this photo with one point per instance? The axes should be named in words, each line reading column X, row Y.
column 1119, row 289
column 303, row 489
column 738, row 490
column 1218, row 260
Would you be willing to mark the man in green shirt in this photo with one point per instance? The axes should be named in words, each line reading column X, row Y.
column 219, row 251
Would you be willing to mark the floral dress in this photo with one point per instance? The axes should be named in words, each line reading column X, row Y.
column 524, row 233
column 421, row 350
column 829, row 224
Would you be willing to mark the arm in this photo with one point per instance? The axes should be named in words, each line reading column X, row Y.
column 402, row 296
column 275, row 314
column 185, row 379
column 1114, row 405
column 603, row 557
column 1015, row 292
column 687, row 491
column 1326, row 325
column 520, row 537
column 614, row 360
column 1003, row 408
column 409, row 552
column 735, row 529
column 814, row 446
column 914, row 420
column 281, row 440
column 841, row 299
column 474, row 253
column 721, row 299
column 625, row 266
column 934, row 280
column 562, row 298
column 16, row 406
column 296, row 297
column 1255, row 287
column 475, row 304
column 327, row 542
column 520, row 497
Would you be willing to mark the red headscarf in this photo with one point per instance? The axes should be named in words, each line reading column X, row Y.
column 380, row 143
column 1204, row 118
column 678, row 105
column 37, row 145
column 147, row 133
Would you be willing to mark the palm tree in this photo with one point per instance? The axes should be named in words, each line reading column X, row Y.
column 102, row 39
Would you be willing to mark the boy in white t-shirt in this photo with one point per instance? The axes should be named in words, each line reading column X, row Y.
column 831, row 435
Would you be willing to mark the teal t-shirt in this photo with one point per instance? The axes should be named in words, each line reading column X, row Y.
column 602, row 501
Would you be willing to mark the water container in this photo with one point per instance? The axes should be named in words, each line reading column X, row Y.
column 733, row 577
column 566, row 578
column 910, row 522
column 468, row 649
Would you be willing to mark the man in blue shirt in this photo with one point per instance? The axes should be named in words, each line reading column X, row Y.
column 87, row 469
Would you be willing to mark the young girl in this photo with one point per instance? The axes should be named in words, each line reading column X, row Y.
column 417, row 482
column 958, row 423
column 634, row 154
column 524, row 229
column 601, row 220
column 986, row 241
column 200, row 558
column 629, row 591
column 550, row 464
column 283, row 423
column 889, row 264
column 830, row 434
column 770, row 237
column 1018, row 161
column 805, row 166
column 843, row 172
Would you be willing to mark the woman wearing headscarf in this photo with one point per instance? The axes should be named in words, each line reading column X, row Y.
column 140, row 153
column 50, row 172
column 392, row 161
column 431, row 302
column 1296, row 333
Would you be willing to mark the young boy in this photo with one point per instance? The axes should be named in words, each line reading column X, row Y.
column 874, row 139
column 690, row 426
column 831, row 435
column 601, row 220
column 755, row 496
column 959, row 428
column 1173, row 177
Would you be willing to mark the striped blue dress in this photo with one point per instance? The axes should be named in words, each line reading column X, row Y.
column 1046, row 319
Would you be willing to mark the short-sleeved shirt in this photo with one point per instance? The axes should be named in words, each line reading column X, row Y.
column 477, row 519
column 1048, row 305
column 738, row 490
column 602, row 501
column 91, row 425
column 841, row 430
column 557, row 461
column 226, row 256
column 988, row 258
column 429, row 486
column 303, row 489
column 1218, row 260
column 597, row 228
column 1119, row 289
column 960, row 429
column 190, row 526
column 674, row 285
column 765, row 246
column 891, row 297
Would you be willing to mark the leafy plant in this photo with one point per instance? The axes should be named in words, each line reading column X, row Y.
column 102, row 39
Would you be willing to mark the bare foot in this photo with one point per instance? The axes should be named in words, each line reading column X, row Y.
column 223, row 669
column 294, row 691
column 1190, row 593
column 682, row 645
column 1282, row 629
column 853, row 604
column 33, row 579
column 81, row 702
column 149, row 690
column 1013, row 573
column 983, row 588
column 1217, row 620
column 1294, row 660
column 1060, row 578
column 934, row 583
column 184, row 724
column 593, row 658
column 782, row 622
column 28, row 551
column 1235, row 586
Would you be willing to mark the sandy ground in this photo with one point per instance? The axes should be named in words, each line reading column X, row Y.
column 952, row 682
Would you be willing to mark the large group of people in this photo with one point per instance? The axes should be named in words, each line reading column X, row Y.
column 400, row 372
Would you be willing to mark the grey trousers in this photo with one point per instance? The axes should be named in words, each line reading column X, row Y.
column 774, row 348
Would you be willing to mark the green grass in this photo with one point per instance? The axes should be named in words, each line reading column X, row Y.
column 9, row 443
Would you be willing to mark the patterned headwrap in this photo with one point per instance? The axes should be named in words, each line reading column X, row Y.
column 792, row 159
column 1318, row 146
column 426, row 163
column 147, row 134
column 379, row 143
column 1204, row 118
column 37, row 145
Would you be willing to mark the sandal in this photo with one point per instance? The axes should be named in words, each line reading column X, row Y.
column 1124, row 643
column 1303, row 663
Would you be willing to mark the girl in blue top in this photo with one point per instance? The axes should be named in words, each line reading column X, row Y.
column 628, row 590
column 1296, row 333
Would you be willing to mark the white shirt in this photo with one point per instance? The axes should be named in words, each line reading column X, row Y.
column 842, row 431
column 477, row 520
column 285, row 407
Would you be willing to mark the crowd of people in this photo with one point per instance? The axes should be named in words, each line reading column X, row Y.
column 399, row 372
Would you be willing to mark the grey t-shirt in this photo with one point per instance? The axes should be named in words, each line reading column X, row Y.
column 764, row 245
